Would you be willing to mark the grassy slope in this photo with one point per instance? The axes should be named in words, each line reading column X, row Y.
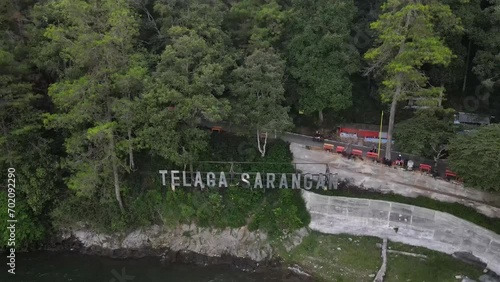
column 437, row 267
column 319, row 255
column 359, row 257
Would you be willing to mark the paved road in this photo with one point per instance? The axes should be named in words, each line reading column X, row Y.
column 308, row 141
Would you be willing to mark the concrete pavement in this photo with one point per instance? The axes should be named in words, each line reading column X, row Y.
column 403, row 223
column 377, row 177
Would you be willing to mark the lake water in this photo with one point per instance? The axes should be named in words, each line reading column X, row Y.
column 54, row 267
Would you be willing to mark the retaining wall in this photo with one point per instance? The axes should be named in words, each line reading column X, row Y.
column 403, row 223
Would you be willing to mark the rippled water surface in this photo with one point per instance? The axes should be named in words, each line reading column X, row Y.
column 54, row 267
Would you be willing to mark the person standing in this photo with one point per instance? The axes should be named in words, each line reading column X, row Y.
column 399, row 160
column 410, row 165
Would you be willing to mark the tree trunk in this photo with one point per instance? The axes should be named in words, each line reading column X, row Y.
column 191, row 173
column 258, row 141
column 130, row 151
column 320, row 116
column 466, row 66
column 437, row 157
column 114, row 164
column 115, row 172
column 263, row 149
column 388, row 147
column 441, row 95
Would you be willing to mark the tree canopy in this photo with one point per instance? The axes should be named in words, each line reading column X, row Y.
column 408, row 38
column 259, row 92
column 426, row 134
column 97, row 95
column 474, row 157
column 320, row 54
column 187, row 84
column 96, row 42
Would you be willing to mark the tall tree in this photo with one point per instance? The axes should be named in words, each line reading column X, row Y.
column 25, row 145
column 407, row 39
column 98, row 49
column 487, row 60
column 188, row 82
column 256, row 24
column 321, row 56
column 455, row 76
column 259, row 94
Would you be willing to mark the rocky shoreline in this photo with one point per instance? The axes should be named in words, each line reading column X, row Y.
column 166, row 255
column 186, row 244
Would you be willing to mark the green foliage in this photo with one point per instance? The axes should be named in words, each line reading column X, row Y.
column 101, row 216
column 274, row 211
column 452, row 76
column 256, row 24
column 188, row 82
column 486, row 33
column 327, row 257
column 29, row 229
column 97, row 41
column 19, row 115
column 202, row 16
column 24, row 144
column 87, row 86
column 475, row 157
column 407, row 39
column 282, row 211
column 319, row 54
column 259, row 93
column 436, row 267
column 227, row 148
column 426, row 134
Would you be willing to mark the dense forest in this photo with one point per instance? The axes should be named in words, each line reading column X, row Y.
column 96, row 95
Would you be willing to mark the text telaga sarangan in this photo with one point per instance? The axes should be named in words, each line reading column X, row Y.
column 176, row 178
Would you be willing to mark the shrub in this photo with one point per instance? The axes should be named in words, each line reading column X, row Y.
column 29, row 230
column 475, row 157
column 269, row 210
